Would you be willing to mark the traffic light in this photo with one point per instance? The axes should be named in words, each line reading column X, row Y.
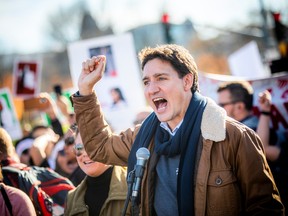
column 281, row 34
column 167, row 27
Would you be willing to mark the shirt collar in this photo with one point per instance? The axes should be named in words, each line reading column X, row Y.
column 166, row 127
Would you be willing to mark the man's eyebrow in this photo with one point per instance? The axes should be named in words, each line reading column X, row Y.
column 155, row 75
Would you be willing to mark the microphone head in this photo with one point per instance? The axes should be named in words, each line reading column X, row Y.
column 142, row 154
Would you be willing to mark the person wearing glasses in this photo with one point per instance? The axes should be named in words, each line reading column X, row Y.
column 236, row 98
column 67, row 161
column 103, row 190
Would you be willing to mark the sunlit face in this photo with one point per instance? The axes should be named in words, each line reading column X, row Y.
column 225, row 100
column 167, row 94
column 91, row 168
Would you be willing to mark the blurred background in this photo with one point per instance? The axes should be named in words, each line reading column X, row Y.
column 43, row 43
column 211, row 30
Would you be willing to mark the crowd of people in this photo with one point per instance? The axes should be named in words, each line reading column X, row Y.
column 206, row 157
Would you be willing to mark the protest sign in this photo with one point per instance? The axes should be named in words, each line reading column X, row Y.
column 8, row 119
column 277, row 85
column 121, row 76
column 26, row 77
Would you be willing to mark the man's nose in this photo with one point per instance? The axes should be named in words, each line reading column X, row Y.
column 153, row 88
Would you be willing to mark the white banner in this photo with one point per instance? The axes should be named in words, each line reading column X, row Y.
column 277, row 85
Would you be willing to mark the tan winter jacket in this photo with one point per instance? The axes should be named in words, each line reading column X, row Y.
column 233, row 177
column 75, row 204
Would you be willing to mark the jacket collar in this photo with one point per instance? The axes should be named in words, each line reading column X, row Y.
column 213, row 122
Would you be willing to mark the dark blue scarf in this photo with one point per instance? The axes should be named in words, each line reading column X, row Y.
column 188, row 133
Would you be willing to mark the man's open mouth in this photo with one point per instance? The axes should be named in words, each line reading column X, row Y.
column 160, row 103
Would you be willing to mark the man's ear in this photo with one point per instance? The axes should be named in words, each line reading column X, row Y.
column 240, row 106
column 188, row 81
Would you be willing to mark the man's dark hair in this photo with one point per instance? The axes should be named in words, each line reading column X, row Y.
column 241, row 91
column 179, row 57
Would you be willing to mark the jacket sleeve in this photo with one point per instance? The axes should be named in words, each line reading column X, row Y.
column 100, row 142
column 257, row 185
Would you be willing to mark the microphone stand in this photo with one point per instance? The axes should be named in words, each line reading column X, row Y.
column 135, row 208
column 130, row 181
column 139, row 171
column 134, row 180
column 136, row 172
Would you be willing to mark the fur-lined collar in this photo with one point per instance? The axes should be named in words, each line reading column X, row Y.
column 213, row 122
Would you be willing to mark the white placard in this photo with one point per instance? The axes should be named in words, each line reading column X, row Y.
column 122, row 72
column 246, row 62
column 8, row 119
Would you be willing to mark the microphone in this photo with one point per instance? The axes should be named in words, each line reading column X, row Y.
column 142, row 156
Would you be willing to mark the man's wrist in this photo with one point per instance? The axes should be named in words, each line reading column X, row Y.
column 266, row 113
column 78, row 94
column 85, row 90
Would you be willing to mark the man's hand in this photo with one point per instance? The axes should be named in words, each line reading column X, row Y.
column 92, row 72
column 264, row 100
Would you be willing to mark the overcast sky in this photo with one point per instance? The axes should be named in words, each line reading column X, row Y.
column 23, row 22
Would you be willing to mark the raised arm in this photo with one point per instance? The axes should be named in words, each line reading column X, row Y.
column 100, row 143
column 263, row 129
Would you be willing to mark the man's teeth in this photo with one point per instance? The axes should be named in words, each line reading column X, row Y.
column 158, row 99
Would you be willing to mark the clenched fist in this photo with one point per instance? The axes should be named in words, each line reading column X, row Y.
column 92, row 71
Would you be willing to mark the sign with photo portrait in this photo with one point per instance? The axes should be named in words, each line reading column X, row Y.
column 120, row 91
column 110, row 70
column 26, row 78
